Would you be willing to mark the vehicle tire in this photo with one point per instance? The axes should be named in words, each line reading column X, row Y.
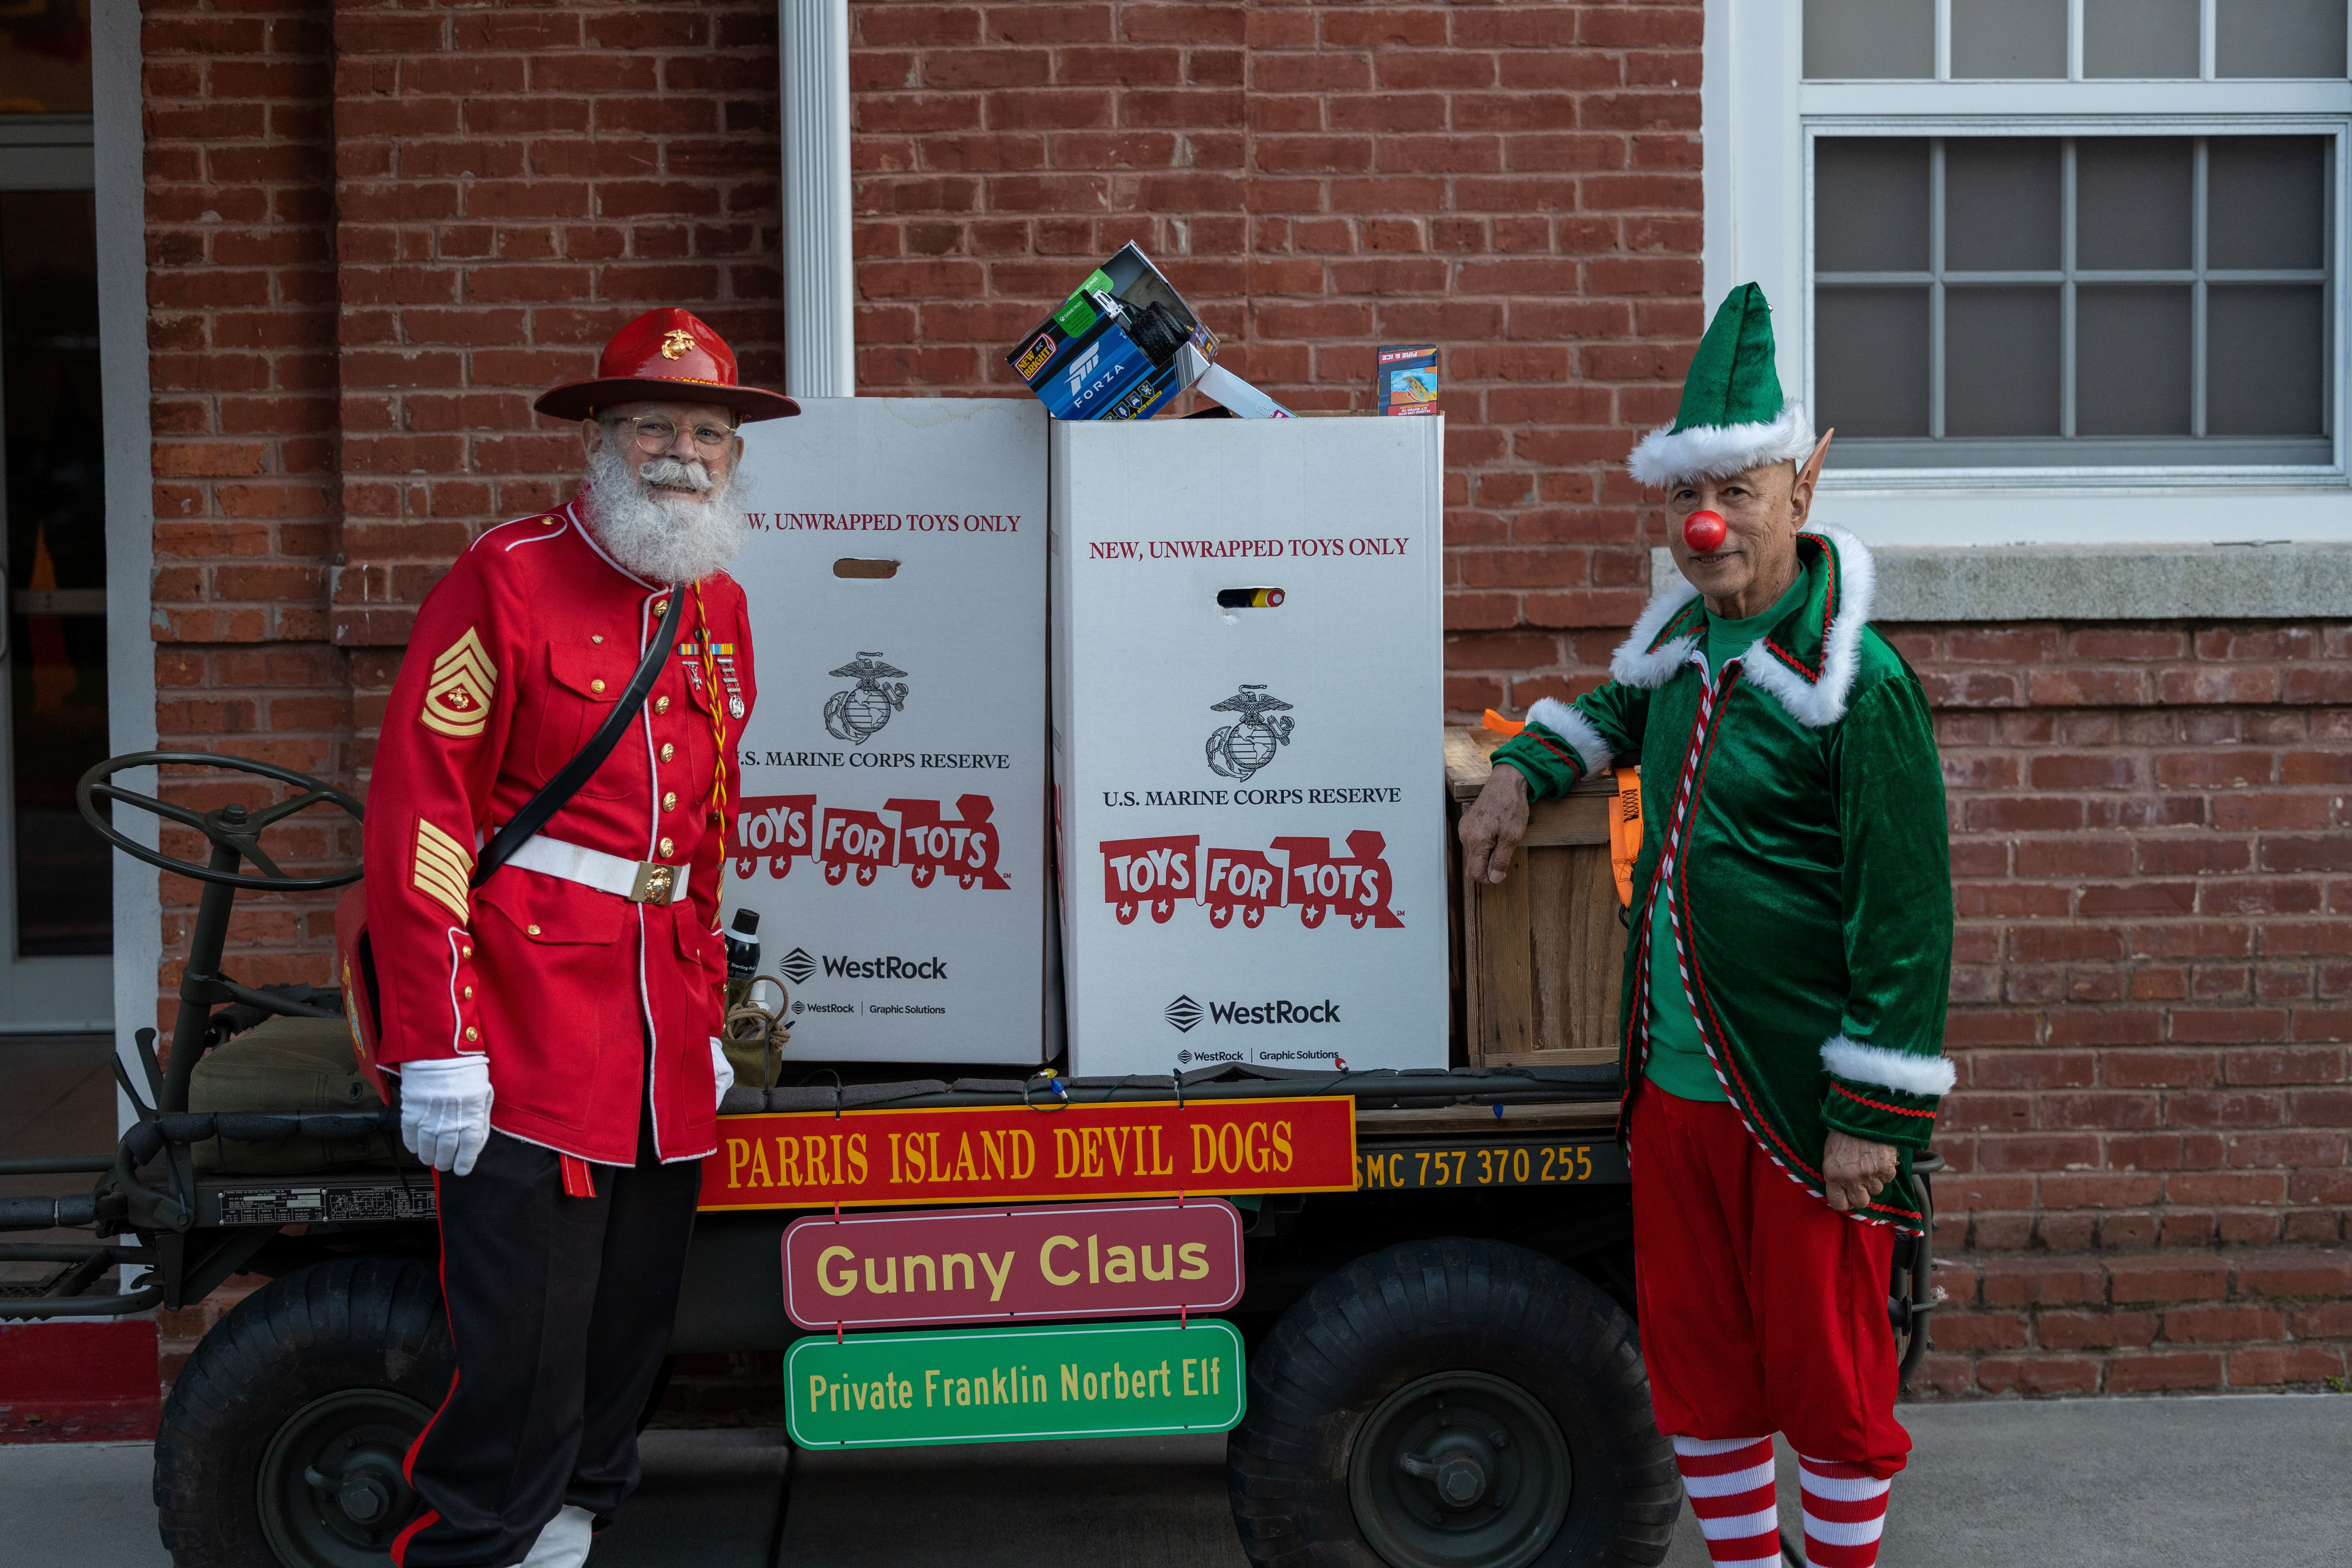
column 283, row 1441
column 1429, row 1353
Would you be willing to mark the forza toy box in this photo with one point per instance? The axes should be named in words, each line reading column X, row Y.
column 890, row 824
column 1110, row 352
column 1248, row 791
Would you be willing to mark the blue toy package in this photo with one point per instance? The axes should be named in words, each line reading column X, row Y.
column 1123, row 345
column 1406, row 380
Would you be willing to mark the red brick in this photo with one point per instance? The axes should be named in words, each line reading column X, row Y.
column 2163, row 1372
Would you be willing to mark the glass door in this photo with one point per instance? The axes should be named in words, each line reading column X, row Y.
column 55, row 883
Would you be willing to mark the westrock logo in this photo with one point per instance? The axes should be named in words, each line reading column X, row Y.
column 858, row 713
column 886, row 968
column 1184, row 1013
column 1247, row 744
column 797, row 966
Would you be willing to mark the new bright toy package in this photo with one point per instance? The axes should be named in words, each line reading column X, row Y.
column 1123, row 345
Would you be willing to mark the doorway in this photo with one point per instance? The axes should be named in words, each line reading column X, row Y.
column 57, row 936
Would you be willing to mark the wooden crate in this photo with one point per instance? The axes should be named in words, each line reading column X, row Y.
column 1541, row 951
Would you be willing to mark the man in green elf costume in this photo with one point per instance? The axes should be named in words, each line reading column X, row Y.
column 1783, row 996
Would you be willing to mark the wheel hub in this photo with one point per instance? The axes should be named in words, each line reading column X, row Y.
column 330, row 1489
column 1459, row 1470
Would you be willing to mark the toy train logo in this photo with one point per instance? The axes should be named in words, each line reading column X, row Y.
column 1160, row 872
column 851, row 842
column 1248, row 743
column 858, row 713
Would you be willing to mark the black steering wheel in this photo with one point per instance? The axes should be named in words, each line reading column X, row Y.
column 234, row 832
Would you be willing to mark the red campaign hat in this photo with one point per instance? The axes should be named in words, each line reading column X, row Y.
column 664, row 356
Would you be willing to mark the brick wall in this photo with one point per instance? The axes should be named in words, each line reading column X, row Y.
column 378, row 230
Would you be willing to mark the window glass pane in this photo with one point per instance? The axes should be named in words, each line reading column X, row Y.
column 2139, row 38
column 2000, row 204
column 1870, row 204
column 2278, row 38
column 1870, row 38
column 2132, row 361
column 2001, row 362
column 2266, row 200
column 2134, row 200
column 1870, row 361
column 2263, row 359
column 45, row 57
column 2009, row 38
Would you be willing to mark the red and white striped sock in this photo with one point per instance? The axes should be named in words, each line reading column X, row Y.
column 1729, row 1480
column 1845, row 1510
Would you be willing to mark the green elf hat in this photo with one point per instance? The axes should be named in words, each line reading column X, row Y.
column 1732, row 417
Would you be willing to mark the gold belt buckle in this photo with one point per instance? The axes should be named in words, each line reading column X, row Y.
column 654, row 883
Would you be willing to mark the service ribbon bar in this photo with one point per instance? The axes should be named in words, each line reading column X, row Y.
column 1147, row 1149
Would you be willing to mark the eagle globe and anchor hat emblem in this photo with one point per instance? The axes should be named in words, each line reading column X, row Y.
column 1249, row 743
column 858, row 713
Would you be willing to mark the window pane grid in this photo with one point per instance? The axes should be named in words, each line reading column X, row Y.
column 2068, row 277
column 2145, row 39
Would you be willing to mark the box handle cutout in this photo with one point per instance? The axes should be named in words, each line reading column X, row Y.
column 848, row 566
column 1249, row 598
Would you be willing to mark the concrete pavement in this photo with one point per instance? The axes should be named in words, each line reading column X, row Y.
column 2258, row 1480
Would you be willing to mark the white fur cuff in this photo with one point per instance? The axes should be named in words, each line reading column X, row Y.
column 1904, row 1071
column 1573, row 727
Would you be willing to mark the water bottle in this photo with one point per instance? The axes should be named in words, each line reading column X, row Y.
column 742, row 954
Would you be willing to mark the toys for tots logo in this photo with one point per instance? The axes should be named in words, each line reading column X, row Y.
column 1162, row 871
column 853, row 842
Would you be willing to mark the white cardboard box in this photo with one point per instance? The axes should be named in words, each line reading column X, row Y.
column 1250, row 800
column 892, row 825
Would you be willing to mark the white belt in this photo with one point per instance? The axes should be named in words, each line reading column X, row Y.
column 639, row 882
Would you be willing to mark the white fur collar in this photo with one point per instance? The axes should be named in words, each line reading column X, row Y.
column 1815, row 697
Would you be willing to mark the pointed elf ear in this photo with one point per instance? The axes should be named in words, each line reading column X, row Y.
column 1809, row 473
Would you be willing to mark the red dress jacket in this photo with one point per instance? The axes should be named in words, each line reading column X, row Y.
column 517, row 656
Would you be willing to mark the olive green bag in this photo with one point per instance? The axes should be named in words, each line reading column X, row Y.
column 300, row 1067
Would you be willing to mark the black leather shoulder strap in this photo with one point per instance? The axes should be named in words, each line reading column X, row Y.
column 566, row 784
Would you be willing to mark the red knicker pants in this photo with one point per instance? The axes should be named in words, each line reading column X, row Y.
column 1762, row 1308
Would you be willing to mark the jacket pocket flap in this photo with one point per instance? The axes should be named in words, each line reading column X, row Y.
column 594, row 673
column 549, row 910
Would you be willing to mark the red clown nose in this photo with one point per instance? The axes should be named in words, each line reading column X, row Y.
column 1705, row 533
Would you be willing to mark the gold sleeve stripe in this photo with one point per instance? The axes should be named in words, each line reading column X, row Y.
column 457, row 697
column 443, row 867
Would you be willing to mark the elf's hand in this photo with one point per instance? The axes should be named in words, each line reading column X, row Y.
column 1853, row 1169
column 1491, row 829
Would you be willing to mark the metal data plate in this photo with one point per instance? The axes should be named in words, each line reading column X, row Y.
column 313, row 1204
column 1504, row 1162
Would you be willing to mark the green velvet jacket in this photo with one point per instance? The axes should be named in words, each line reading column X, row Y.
column 1793, row 817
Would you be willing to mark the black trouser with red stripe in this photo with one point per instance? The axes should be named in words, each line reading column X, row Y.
column 560, row 1309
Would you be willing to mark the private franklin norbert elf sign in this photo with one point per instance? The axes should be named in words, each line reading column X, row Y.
column 1008, row 1384
column 964, row 1265
column 1016, row 1154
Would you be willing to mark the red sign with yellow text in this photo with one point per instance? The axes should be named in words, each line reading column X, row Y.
column 1154, row 1149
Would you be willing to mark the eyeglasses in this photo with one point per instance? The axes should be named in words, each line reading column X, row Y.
column 654, row 434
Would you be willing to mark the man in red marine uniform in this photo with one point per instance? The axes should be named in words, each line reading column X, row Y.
column 555, row 1028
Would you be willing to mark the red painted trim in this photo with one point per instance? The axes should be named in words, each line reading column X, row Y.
column 1876, row 1105
column 79, row 1383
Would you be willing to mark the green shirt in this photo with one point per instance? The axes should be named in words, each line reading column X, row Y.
column 1678, row 1062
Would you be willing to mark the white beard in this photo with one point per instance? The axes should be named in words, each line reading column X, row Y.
column 670, row 540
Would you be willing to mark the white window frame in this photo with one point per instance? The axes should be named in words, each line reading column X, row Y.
column 1758, row 120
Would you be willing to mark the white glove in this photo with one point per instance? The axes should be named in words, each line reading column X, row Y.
column 445, row 1110
column 721, row 1069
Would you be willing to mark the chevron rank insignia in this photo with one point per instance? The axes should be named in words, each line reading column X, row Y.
column 457, row 697
column 443, row 868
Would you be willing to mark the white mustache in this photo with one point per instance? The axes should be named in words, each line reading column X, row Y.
column 671, row 474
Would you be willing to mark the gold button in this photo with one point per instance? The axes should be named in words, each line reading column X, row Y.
column 667, row 751
column 669, row 801
column 472, row 1033
column 661, row 606
column 466, row 951
column 469, row 991
column 596, row 637
column 596, row 686
column 552, row 521
column 661, row 704
column 665, row 848
column 533, row 931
